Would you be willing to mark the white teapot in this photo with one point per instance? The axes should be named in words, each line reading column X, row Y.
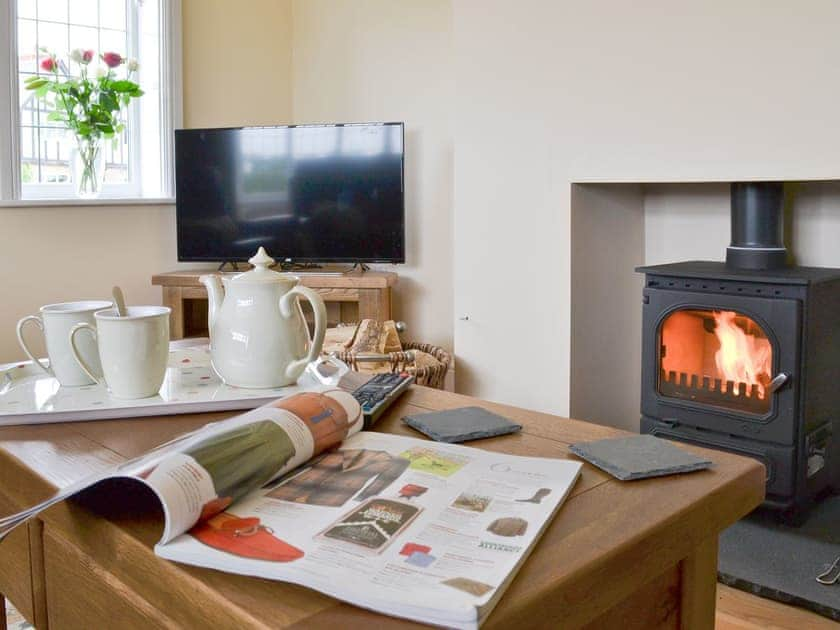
column 258, row 336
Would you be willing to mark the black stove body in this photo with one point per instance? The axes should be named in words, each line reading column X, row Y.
column 744, row 356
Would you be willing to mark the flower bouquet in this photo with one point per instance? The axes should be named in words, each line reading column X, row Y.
column 89, row 106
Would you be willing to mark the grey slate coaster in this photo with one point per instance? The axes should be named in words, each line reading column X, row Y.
column 638, row 456
column 460, row 425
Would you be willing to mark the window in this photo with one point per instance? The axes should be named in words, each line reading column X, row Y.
column 35, row 163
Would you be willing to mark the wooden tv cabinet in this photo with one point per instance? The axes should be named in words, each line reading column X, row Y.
column 369, row 290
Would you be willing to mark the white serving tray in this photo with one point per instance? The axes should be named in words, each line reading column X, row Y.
column 29, row 396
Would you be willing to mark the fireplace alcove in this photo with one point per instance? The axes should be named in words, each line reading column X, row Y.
column 739, row 356
column 616, row 227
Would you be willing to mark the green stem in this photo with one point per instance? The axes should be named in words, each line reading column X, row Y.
column 67, row 109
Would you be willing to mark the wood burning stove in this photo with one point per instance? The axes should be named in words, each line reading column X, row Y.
column 743, row 356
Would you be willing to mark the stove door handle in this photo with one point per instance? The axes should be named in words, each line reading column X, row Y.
column 778, row 382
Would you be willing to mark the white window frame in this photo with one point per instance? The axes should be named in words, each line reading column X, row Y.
column 11, row 189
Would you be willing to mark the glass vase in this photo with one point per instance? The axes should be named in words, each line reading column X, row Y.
column 88, row 167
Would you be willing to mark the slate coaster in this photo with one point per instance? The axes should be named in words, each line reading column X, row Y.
column 460, row 425
column 638, row 457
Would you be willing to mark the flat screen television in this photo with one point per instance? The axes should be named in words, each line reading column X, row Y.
column 307, row 193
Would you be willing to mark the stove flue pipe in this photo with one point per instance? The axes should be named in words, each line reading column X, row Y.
column 757, row 226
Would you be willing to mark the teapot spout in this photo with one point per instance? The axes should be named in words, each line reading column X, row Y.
column 215, row 295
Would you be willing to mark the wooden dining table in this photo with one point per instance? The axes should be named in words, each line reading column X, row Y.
column 628, row 554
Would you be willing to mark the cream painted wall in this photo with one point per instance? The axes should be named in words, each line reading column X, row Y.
column 381, row 60
column 237, row 62
column 550, row 93
column 605, row 380
column 52, row 254
column 686, row 222
column 691, row 222
column 59, row 254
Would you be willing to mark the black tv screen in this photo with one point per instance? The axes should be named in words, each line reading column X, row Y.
column 307, row 193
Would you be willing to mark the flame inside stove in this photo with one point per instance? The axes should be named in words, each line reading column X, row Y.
column 743, row 358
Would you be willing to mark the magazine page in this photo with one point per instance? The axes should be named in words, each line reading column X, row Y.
column 404, row 526
column 201, row 473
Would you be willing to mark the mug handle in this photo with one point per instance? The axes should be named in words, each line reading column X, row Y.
column 40, row 323
column 85, row 367
column 287, row 303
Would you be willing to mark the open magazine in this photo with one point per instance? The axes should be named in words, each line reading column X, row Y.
column 293, row 491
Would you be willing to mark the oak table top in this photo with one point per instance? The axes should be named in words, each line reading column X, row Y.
column 609, row 541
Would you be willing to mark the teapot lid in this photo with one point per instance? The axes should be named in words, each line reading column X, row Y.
column 261, row 272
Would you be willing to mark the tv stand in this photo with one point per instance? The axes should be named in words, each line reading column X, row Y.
column 225, row 263
column 319, row 268
column 350, row 295
column 293, row 266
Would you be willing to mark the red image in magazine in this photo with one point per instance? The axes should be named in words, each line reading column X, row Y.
column 244, row 537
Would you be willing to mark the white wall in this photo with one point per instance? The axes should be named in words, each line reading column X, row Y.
column 691, row 222
column 608, row 243
column 686, row 222
column 237, row 62
column 59, row 254
column 550, row 93
column 380, row 60
column 815, row 239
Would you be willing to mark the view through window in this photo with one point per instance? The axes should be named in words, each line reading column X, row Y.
column 131, row 28
column 59, row 26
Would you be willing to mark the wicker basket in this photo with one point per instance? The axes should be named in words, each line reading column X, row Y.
column 429, row 376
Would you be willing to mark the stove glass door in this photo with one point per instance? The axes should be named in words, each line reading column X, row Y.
column 716, row 357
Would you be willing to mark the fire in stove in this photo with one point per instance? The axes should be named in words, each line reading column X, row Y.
column 715, row 357
column 744, row 357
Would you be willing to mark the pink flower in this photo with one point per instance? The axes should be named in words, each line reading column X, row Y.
column 112, row 59
column 87, row 56
column 49, row 64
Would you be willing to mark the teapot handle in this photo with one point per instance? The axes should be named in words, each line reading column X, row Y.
column 287, row 310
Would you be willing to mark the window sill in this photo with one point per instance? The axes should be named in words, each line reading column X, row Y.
column 120, row 201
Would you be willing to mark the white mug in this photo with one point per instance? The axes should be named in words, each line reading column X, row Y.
column 55, row 322
column 133, row 350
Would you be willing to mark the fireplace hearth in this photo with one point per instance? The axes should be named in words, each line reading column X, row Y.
column 743, row 356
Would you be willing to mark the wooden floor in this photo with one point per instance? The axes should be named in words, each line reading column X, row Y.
column 737, row 610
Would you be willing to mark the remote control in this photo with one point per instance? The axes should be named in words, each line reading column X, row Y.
column 378, row 393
